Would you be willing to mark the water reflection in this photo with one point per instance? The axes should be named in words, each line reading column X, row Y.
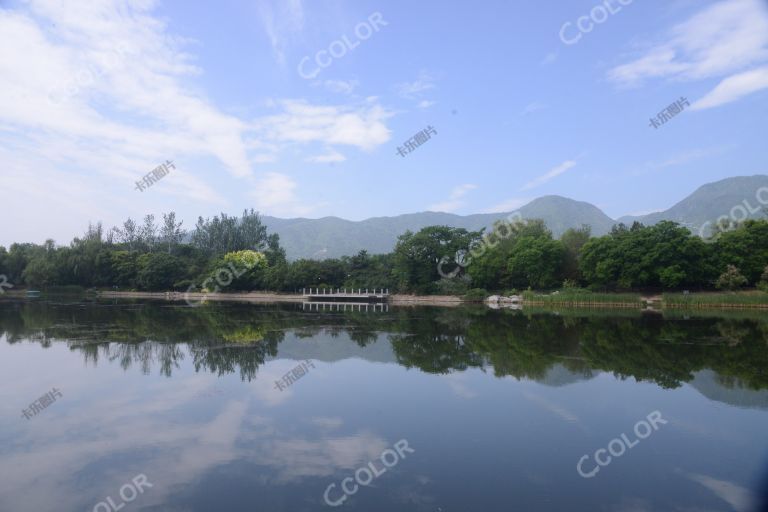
column 544, row 347
column 499, row 406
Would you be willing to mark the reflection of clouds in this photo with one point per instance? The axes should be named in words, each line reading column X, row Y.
column 45, row 475
column 55, row 469
column 415, row 497
column 741, row 499
column 553, row 408
column 327, row 423
column 264, row 387
column 296, row 458
column 700, row 429
column 457, row 382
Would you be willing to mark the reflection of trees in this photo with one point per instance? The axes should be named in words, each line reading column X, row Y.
column 233, row 338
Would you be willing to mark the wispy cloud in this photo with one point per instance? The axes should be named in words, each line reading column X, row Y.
column 341, row 86
column 734, row 88
column 412, row 90
column 741, row 499
column 724, row 39
column 509, row 205
column 280, row 20
column 549, row 59
column 455, row 200
column 682, row 158
column 533, row 107
column 550, row 175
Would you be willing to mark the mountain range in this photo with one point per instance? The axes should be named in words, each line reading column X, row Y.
column 332, row 237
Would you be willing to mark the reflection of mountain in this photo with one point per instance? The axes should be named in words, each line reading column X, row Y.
column 558, row 376
column 555, row 350
column 328, row 348
column 728, row 390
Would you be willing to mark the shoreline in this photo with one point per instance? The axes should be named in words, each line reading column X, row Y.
column 645, row 303
column 394, row 300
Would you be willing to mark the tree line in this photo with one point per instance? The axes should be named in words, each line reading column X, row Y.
column 512, row 256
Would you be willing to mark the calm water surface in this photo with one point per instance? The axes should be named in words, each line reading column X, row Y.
column 497, row 409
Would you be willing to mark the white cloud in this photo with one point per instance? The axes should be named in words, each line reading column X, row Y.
column 725, row 37
column 96, row 94
column 733, row 88
column 455, row 201
column 362, row 126
column 553, row 173
column 330, row 156
column 275, row 193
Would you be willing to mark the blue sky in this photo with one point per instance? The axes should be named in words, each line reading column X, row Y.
column 97, row 94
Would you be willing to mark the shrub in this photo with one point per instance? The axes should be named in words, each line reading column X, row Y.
column 476, row 295
column 731, row 279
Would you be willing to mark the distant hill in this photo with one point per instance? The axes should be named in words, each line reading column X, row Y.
column 332, row 237
column 709, row 202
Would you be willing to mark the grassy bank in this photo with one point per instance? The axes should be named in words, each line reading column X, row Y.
column 750, row 299
column 583, row 298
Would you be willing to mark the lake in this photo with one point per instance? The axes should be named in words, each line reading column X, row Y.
column 157, row 406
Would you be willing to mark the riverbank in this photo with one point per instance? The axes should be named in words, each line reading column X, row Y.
column 679, row 301
column 714, row 300
column 196, row 298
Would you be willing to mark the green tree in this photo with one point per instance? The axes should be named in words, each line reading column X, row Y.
column 158, row 271
column 40, row 272
column 417, row 255
column 746, row 247
column 573, row 240
column 171, row 233
column 536, row 263
column 763, row 284
column 664, row 255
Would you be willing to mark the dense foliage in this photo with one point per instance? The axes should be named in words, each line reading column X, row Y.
column 437, row 259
